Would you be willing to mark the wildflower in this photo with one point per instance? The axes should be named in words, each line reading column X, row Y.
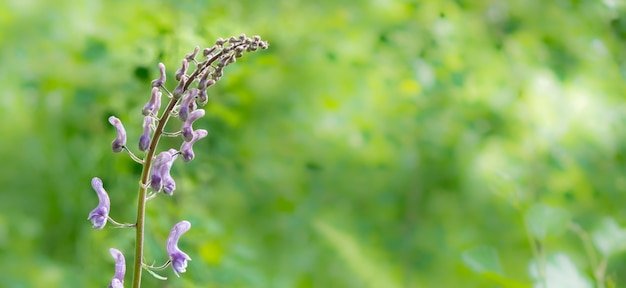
column 144, row 139
column 161, row 80
column 100, row 214
column 186, row 150
column 178, row 91
column 192, row 56
column 153, row 106
column 178, row 257
column 187, row 130
column 120, row 269
column 161, row 178
column 187, row 104
column 119, row 142
column 182, row 71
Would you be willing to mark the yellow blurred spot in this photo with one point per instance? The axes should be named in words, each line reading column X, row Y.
column 211, row 252
column 331, row 104
column 410, row 86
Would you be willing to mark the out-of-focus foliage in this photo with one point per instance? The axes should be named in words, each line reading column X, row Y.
column 375, row 144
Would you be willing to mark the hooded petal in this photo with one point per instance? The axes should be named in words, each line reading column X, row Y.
column 119, row 142
column 144, row 139
column 187, row 130
column 179, row 258
column 186, row 149
column 100, row 214
column 120, row 269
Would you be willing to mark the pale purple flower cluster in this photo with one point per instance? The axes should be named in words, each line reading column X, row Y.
column 156, row 174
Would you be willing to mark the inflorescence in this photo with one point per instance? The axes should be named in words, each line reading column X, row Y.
column 183, row 104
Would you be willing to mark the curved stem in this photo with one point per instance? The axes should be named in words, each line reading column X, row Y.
column 143, row 187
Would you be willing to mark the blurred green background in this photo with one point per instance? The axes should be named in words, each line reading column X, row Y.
column 375, row 144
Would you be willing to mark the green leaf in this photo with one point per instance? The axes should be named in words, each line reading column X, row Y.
column 609, row 238
column 559, row 271
column 543, row 220
column 482, row 259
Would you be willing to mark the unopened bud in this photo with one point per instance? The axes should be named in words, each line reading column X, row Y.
column 144, row 139
column 192, row 56
column 186, row 104
column 153, row 106
column 182, row 71
column 186, row 150
column 161, row 80
column 187, row 130
column 119, row 142
column 178, row 91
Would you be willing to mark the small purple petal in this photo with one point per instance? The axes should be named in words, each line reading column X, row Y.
column 100, row 214
column 120, row 269
column 187, row 130
column 120, row 141
column 144, row 139
column 153, row 106
column 179, row 258
column 186, row 150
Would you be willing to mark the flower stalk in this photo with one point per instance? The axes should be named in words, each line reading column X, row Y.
column 155, row 173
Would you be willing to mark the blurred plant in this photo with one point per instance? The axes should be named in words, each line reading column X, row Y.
column 556, row 269
column 155, row 173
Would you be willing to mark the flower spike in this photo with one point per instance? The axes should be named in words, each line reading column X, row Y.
column 120, row 142
column 179, row 258
column 120, row 269
column 100, row 214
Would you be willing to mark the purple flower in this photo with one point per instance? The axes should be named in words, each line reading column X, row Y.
column 187, row 130
column 182, row 71
column 144, row 139
column 100, row 214
column 161, row 80
column 187, row 104
column 178, row 257
column 153, row 106
column 186, row 150
column 161, row 178
column 119, row 142
column 178, row 91
column 120, row 269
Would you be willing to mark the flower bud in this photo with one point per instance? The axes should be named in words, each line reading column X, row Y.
column 119, row 142
column 182, row 71
column 153, row 106
column 144, row 139
column 207, row 51
column 161, row 80
column 192, row 56
column 161, row 178
column 186, row 149
column 187, row 130
column 178, row 91
column 186, row 104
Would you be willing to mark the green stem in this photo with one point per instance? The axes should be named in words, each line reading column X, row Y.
column 143, row 187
